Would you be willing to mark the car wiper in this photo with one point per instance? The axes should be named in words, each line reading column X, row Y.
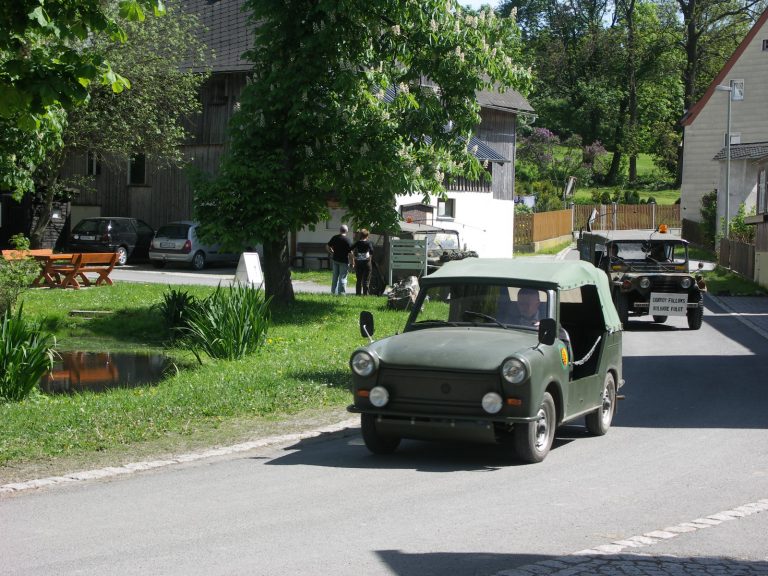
column 435, row 322
column 484, row 317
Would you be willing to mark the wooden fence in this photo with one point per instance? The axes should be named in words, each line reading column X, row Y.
column 738, row 257
column 530, row 228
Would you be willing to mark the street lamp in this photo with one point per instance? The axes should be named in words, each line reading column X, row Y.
column 728, row 89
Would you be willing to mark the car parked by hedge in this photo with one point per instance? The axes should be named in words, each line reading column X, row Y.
column 129, row 237
column 177, row 242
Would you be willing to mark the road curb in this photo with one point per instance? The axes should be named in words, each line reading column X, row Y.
column 110, row 471
column 736, row 314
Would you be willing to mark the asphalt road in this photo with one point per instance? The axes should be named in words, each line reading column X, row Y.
column 683, row 473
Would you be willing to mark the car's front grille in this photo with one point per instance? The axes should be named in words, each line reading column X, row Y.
column 665, row 284
column 437, row 392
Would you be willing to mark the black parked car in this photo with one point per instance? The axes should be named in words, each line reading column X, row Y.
column 129, row 237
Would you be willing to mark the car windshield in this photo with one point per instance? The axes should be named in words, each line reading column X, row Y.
column 90, row 227
column 173, row 231
column 497, row 305
column 658, row 250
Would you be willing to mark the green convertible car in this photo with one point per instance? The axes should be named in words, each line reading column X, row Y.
column 494, row 349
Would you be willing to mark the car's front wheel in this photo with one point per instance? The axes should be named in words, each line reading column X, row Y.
column 375, row 441
column 599, row 421
column 622, row 307
column 660, row 319
column 695, row 317
column 534, row 439
column 122, row 255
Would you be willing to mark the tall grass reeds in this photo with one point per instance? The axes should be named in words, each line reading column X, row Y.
column 26, row 354
column 230, row 323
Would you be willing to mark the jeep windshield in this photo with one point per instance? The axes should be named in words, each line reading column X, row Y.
column 486, row 305
column 642, row 255
column 439, row 241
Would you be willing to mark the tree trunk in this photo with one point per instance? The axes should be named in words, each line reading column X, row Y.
column 277, row 272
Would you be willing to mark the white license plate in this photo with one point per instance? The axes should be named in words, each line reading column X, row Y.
column 87, row 237
column 166, row 244
column 666, row 304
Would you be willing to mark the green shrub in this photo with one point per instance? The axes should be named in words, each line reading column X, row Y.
column 175, row 308
column 26, row 354
column 230, row 323
column 16, row 276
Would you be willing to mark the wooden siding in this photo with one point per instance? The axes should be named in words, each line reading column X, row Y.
column 705, row 136
column 627, row 216
column 738, row 257
column 497, row 129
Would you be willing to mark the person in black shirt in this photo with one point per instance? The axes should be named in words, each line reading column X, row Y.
column 340, row 249
column 363, row 251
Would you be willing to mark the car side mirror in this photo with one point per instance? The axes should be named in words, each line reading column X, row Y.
column 547, row 331
column 701, row 265
column 366, row 325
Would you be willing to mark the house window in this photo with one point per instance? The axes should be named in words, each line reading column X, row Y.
column 137, row 170
column 93, row 167
column 738, row 90
column 765, row 45
column 446, row 208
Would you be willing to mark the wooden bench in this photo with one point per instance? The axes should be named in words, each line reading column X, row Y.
column 101, row 263
column 316, row 251
column 51, row 268
column 19, row 254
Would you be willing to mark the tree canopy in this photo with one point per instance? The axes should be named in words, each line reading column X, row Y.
column 357, row 102
column 46, row 67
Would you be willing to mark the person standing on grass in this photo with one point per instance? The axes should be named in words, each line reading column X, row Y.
column 340, row 249
column 363, row 251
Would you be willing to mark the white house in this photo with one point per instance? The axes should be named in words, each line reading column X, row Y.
column 743, row 79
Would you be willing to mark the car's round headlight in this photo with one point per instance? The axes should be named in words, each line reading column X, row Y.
column 513, row 371
column 379, row 396
column 362, row 363
column 685, row 283
column 492, row 402
column 645, row 283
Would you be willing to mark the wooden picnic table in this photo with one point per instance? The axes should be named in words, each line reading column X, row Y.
column 69, row 270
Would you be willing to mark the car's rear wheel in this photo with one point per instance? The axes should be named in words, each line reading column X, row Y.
column 599, row 421
column 158, row 263
column 660, row 319
column 375, row 441
column 695, row 316
column 534, row 439
column 122, row 255
column 198, row 260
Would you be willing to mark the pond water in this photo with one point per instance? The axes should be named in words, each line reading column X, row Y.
column 98, row 371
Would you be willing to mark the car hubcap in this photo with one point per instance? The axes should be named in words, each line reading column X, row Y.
column 542, row 430
column 607, row 405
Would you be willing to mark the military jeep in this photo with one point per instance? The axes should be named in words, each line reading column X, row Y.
column 494, row 350
column 649, row 273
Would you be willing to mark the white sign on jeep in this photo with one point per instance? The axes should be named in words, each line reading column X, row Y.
column 664, row 304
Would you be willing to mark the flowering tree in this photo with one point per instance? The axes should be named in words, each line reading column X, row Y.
column 357, row 101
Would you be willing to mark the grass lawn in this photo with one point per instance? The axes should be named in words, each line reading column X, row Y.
column 301, row 369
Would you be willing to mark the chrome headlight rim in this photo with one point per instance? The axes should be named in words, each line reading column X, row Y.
column 514, row 371
column 363, row 363
column 686, row 283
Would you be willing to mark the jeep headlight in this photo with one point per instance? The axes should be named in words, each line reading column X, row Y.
column 514, row 371
column 685, row 283
column 362, row 363
column 379, row 396
column 645, row 283
column 492, row 402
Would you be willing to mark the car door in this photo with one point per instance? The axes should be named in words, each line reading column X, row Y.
column 144, row 235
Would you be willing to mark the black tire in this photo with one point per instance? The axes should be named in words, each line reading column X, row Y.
column 158, row 263
column 122, row 255
column 622, row 307
column 695, row 316
column 660, row 319
column 599, row 421
column 534, row 439
column 375, row 442
column 198, row 260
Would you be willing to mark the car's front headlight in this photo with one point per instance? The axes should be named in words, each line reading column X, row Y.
column 492, row 403
column 645, row 283
column 379, row 396
column 685, row 283
column 514, row 371
column 362, row 363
